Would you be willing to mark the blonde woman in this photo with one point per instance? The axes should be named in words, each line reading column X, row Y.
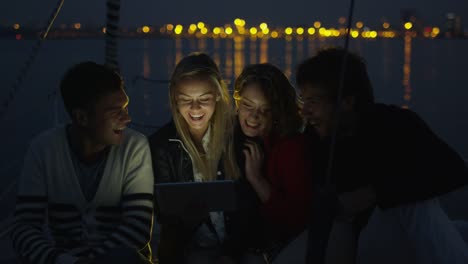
column 197, row 145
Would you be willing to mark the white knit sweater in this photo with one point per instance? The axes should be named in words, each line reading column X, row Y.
column 119, row 215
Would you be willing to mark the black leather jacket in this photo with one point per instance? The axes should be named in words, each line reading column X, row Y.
column 172, row 163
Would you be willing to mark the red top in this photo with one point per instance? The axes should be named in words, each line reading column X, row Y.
column 288, row 208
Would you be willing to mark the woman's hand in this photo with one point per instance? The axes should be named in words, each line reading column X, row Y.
column 253, row 161
column 253, row 170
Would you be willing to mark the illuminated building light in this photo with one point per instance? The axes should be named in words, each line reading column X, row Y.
column 386, row 25
column 408, row 25
column 192, row 27
column 311, row 31
column 265, row 31
column 435, row 31
column 145, row 29
column 253, row 30
column 274, row 34
column 354, row 33
column 317, row 24
column 299, row 31
column 16, row 26
column 200, row 25
column 288, row 31
column 77, row 25
column 104, row 30
column 359, row 24
column 263, row 26
column 228, row 30
column 322, row 31
column 216, row 30
column 169, row 27
column 204, row 30
column 178, row 29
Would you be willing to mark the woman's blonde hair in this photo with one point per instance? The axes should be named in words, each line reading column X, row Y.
column 199, row 66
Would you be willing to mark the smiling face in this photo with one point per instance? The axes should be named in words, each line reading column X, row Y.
column 321, row 112
column 254, row 112
column 196, row 103
column 317, row 109
column 106, row 122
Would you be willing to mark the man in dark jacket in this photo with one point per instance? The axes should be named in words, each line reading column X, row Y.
column 382, row 156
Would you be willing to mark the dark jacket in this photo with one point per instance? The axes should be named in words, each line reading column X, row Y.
column 395, row 152
column 172, row 163
column 392, row 150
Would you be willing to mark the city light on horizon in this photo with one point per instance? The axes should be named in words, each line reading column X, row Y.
column 237, row 28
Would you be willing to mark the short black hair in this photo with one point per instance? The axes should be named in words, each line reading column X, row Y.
column 86, row 83
column 324, row 70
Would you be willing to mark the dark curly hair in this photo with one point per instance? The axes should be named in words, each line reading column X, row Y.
column 279, row 92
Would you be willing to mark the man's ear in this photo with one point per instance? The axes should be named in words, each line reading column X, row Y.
column 80, row 117
column 349, row 103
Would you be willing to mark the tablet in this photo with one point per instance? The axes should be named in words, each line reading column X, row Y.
column 175, row 198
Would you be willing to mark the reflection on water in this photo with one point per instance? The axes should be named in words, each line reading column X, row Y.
column 288, row 57
column 300, row 47
column 202, row 44
column 229, row 62
column 231, row 55
column 407, row 70
column 146, row 74
column 263, row 50
column 216, row 46
column 178, row 50
column 239, row 51
column 253, row 50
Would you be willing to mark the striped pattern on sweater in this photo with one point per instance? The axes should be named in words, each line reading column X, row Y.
column 81, row 234
column 53, row 217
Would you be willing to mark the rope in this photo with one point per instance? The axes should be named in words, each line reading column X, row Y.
column 340, row 93
column 112, row 34
column 27, row 65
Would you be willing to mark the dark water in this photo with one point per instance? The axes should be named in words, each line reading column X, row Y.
column 434, row 83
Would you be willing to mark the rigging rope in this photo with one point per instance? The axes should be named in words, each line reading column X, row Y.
column 4, row 107
column 112, row 34
column 340, row 92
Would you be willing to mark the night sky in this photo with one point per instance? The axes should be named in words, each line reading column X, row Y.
column 291, row 12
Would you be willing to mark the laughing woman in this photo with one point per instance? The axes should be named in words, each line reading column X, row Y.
column 197, row 145
column 272, row 150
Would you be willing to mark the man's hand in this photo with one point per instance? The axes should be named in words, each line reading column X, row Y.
column 357, row 201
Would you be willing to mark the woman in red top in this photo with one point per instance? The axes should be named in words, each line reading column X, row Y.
column 268, row 115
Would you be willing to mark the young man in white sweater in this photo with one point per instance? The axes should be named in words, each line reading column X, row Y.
column 85, row 194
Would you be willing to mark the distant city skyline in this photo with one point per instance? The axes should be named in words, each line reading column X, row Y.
column 291, row 12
